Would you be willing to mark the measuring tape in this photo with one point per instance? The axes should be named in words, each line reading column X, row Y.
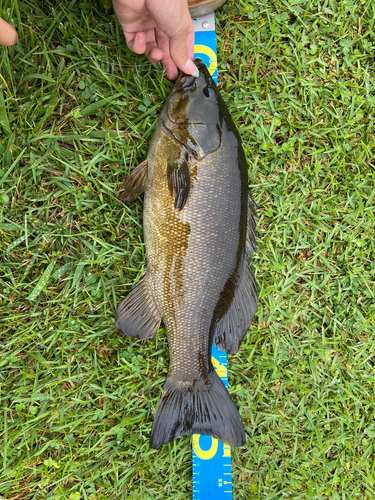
column 212, row 463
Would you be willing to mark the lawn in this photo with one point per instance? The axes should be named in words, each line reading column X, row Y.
column 77, row 112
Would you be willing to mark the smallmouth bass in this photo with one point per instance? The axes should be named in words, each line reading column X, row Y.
column 199, row 227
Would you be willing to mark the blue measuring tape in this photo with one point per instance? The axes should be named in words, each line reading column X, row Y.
column 212, row 463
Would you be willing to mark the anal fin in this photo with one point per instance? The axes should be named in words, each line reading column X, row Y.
column 136, row 183
column 233, row 325
column 137, row 315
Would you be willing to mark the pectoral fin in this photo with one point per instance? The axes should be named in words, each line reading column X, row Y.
column 178, row 173
column 137, row 315
column 136, row 183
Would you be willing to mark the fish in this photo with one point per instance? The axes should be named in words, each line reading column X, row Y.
column 199, row 233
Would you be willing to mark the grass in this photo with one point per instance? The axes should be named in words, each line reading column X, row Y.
column 77, row 111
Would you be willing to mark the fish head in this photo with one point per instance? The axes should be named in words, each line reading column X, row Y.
column 192, row 113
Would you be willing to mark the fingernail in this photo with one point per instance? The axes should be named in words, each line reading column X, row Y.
column 191, row 68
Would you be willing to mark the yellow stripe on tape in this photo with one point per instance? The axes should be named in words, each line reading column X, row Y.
column 203, row 49
column 204, row 454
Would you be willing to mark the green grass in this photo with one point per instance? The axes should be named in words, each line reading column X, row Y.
column 77, row 111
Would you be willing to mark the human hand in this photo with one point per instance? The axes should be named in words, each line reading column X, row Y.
column 8, row 35
column 161, row 29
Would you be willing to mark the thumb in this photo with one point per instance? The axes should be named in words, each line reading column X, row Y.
column 179, row 44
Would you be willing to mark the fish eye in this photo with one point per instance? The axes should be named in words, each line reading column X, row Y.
column 209, row 92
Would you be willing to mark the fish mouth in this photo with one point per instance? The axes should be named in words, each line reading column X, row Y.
column 186, row 82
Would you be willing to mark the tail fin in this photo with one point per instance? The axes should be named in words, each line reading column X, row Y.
column 203, row 408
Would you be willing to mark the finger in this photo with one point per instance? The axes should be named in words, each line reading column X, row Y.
column 136, row 42
column 8, row 35
column 190, row 43
column 170, row 68
column 179, row 50
column 163, row 43
column 144, row 43
column 154, row 54
column 178, row 26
